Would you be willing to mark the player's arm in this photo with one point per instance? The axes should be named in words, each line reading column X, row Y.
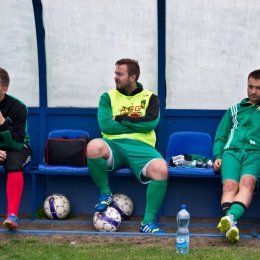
column 222, row 135
column 106, row 123
column 146, row 123
column 13, row 132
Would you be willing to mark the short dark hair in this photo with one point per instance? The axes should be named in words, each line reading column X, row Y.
column 4, row 78
column 132, row 67
column 254, row 74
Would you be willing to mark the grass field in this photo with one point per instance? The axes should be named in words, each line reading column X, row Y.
column 34, row 248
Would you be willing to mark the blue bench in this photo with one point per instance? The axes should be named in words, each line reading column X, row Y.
column 179, row 143
column 44, row 169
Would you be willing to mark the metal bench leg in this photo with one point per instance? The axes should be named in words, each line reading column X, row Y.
column 33, row 196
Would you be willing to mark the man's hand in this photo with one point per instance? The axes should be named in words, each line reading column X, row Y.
column 2, row 119
column 2, row 155
column 217, row 165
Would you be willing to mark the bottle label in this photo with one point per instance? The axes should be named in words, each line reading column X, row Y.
column 181, row 242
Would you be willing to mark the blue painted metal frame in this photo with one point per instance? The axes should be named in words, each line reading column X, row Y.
column 161, row 74
column 171, row 120
column 254, row 234
column 43, row 112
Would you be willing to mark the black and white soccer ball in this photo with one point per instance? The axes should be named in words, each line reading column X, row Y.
column 56, row 206
column 107, row 221
column 123, row 204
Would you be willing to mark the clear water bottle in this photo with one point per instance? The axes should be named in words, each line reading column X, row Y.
column 182, row 235
column 189, row 163
column 179, row 161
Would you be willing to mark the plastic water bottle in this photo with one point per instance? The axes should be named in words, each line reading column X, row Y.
column 189, row 163
column 179, row 161
column 182, row 236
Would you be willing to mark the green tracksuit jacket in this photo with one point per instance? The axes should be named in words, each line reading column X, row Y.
column 239, row 129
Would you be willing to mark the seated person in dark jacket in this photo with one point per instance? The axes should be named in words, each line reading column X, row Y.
column 15, row 151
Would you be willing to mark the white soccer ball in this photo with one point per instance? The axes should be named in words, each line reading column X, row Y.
column 107, row 221
column 56, row 206
column 123, row 204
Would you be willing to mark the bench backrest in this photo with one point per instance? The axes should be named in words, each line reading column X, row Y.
column 67, row 133
column 189, row 143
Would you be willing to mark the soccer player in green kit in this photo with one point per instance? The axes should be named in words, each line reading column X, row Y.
column 237, row 156
column 127, row 116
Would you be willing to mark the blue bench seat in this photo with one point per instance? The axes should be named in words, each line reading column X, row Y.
column 191, row 172
column 189, row 143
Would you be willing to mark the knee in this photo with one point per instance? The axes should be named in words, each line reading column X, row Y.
column 96, row 148
column 165, row 171
column 248, row 183
column 158, row 170
column 13, row 166
column 162, row 170
column 230, row 186
column 163, row 174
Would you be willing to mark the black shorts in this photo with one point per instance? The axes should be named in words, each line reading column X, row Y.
column 16, row 160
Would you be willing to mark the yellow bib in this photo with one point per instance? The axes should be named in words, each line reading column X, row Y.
column 134, row 106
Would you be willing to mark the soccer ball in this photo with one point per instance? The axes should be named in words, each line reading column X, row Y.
column 56, row 206
column 123, row 204
column 107, row 221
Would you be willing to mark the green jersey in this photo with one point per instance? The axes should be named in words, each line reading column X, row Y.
column 239, row 129
column 136, row 115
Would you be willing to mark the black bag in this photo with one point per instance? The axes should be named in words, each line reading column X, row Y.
column 66, row 151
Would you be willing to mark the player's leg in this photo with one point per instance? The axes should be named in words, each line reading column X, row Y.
column 244, row 196
column 98, row 153
column 149, row 167
column 250, row 174
column 157, row 171
column 230, row 171
column 229, row 191
column 14, row 166
column 241, row 202
column 227, row 223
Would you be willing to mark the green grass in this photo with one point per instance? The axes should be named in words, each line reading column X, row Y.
column 40, row 214
column 34, row 249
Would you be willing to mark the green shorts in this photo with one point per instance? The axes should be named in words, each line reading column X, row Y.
column 235, row 164
column 132, row 153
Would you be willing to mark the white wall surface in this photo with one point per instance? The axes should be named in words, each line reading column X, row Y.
column 84, row 39
column 211, row 47
column 18, row 50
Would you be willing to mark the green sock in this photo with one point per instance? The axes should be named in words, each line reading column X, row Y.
column 154, row 197
column 236, row 210
column 98, row 170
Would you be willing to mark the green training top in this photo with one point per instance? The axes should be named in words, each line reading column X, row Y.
column 239, row 129
column 136, row 115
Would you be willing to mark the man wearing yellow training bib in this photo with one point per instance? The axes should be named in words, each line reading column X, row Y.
column 127, row 116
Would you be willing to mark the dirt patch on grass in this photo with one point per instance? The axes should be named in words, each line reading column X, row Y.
column 83, row 223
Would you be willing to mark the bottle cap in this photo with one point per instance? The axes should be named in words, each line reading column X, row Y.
column 183, row 206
